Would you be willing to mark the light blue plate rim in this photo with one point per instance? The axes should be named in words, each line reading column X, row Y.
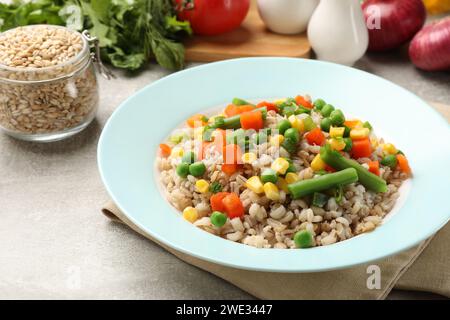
column 393, row 237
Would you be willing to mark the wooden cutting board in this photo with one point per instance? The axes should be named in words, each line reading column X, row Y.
column 251, row 39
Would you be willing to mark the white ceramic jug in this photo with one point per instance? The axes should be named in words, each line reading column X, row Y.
column 337, row 31
column 286, row 16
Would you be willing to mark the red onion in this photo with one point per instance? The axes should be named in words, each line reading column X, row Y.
column 392, row 23
column 430, row 48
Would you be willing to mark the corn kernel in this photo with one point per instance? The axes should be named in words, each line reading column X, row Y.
column 254, row 183
column 296, row 123
column 248, row 157
column 336, row 132
column 271, row 191
column 177, row 152
column 202, row 186
column 280, row 165
column 190, row 214
column 389, row 148
column 276, row 140
column 354, row 124
column 282, row 184
column 359, row 133
column 374, row 142
column 317, row 164
column 280, row 101
column 198, row 133
column 291, row 177
column 337, row 144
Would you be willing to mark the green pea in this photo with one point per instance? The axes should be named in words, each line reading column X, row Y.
column 390, row 161
column 347, row 132
column 337, row 118
column 292, row 134
column 183, row 170
column 218, row 218
column 325, row 124
column 326, row 110
column 348, row 144
column 283, row 125
column 319, row 103
column 189, row 157
column 303, row 239
column 289, row 145
column 308, row 123
column 291, row 168
column 197, row 169
column 269, row 175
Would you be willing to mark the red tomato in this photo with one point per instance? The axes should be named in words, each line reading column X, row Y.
column 211, row 17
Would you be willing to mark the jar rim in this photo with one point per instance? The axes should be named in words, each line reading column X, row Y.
column 73, row 60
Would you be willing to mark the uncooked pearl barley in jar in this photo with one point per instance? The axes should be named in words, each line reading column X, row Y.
column 286, row 16
column 337, row 31
column 48, row 86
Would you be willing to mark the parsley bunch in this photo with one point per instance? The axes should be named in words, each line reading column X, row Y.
column 130, row 32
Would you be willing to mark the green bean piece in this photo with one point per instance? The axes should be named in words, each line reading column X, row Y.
column 339, row 162
column 241, row 102
column 283, row 125
column 207, row 134
column 305, row 187
column 183, row 170
column 367, row 125
column 348, row 144
column 326, row 110
column 319, row 199
column 291, row 168
column 325, row 124
column 269, row 175
column 234, row 122
column 303, row 239
column 347, row 132
column 390, row 161
column 189, row 157
column 197, row 169
column 337, row 118
column 218, row 219
column 319, row 103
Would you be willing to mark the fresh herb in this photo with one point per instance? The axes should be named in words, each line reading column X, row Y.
column 215, row 187
column 129, row 32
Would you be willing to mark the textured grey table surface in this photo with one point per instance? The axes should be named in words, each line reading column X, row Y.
column 55, row 243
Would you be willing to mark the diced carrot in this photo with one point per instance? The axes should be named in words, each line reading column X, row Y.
column 302, row 101
column 232, row 154
column 231, row 110
column 220, row 139
column 269, row 106
column 164, row 150
column 329, row 168
column 315, row 137
column 245, row 108
column 233, row 206
column 351, row 123
column 361, row 148
column 203, row 148
column 374, row 167
column 252, row 120
column 196, row 121
column 403, row 164
column 216, row 201
column 229, row 168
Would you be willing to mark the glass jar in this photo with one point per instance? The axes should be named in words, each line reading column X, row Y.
column 52, row 102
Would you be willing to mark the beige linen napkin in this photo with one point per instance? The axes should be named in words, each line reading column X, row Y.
column 423, row 268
